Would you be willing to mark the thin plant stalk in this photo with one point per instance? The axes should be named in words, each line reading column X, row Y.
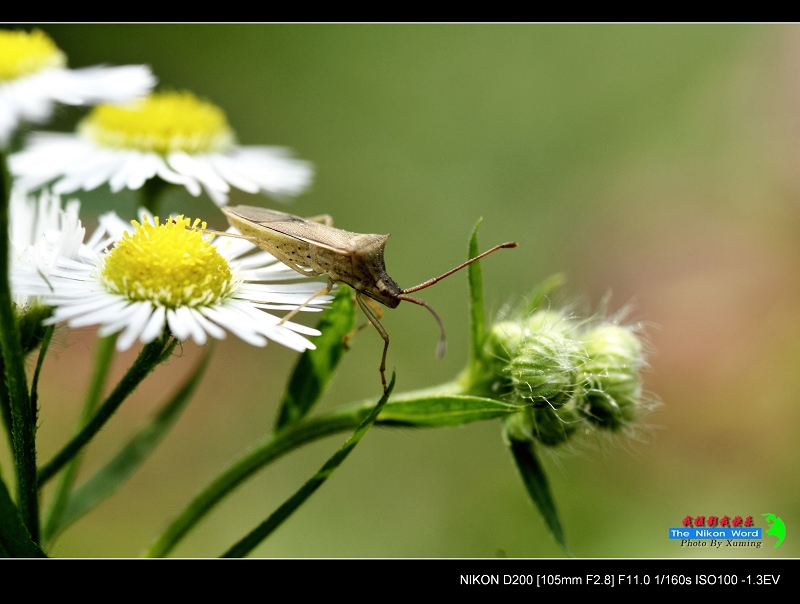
column 23, row 419
column 102, row 365
column 407, row 409
column 279, row 516
column 291, row 437
column 152, row 354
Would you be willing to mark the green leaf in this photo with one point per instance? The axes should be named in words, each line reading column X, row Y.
column 476, row 306
column 411, row 411
column 315, row 367
column 262, row 531
column 15, row 540
column 114, row 474
column 535, row 481
column 443, row 410
column 273, row 447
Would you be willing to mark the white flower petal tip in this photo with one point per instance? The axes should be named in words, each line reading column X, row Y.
column 173, row 136
column 168, row 277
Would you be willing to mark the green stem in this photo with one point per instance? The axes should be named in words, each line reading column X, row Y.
column 48, row 335
column 151, row 193
column 23, row 422
column 102, row 365
column 245, row 545
column 147, row 360
column 5, row 402
column 15, row 540
column 274, row 447
column 105, row 481
column 277, row 445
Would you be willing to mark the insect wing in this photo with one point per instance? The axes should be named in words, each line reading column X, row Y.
column 314, row 233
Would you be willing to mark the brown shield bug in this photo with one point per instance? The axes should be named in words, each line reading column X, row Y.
column 314, row 247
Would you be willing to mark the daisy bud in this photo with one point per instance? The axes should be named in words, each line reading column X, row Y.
column 503, row 341
column 549, row 426
column 566, row 375
column 554, row 426
column 519, row 426
column 544, row 371
column 613, row 391
column 548, row 320
column 31, row 329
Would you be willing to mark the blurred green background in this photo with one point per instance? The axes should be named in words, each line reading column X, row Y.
column 657, row 164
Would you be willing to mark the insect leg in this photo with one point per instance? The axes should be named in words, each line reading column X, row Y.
column 316, row 294
column 374, row 320
column 376, row 309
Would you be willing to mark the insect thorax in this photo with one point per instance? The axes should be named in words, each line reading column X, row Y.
column 365, row 271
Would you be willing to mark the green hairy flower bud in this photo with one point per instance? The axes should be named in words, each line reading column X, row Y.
column 548, row 321
column 30, row 325
column 549, row 426
column 555, row 426
column 545, row 369
column 569, row 374
column 503, row 341
column 612, row 388
column 534, row 358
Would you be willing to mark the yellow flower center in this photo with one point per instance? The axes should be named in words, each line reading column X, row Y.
column 163, row 122
column 23, row 53
column 169, row 264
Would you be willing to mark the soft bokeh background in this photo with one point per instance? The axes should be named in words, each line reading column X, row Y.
column 655, row 163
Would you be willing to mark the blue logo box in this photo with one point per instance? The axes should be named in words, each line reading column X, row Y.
column 702, row 532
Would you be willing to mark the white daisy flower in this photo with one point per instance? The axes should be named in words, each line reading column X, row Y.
column 171, row 135
column 158, row 276
column 33, row 77
column 40, row 232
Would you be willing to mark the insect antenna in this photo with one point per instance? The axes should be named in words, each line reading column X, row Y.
column 403, row 296
column 440, row 350
column 430, row 282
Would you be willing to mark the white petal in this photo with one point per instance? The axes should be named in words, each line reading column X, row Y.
column 268, row 325
column 272, row 168
column 229, row 170
column 300, row 328
column 212, row 329
column 235, row 324
column 31, row 98
column 121, row 319
column 103, row 166
column 136, row 325
column 101, row 84
column 164, row 171
column 82, row 315
column 183, row 325
column 127, row 165
column 155, row 325
column 199, row 168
